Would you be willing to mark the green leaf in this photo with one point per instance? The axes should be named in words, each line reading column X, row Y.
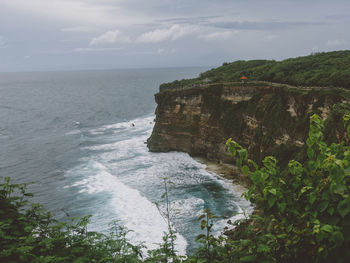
column 282, row 236
column 282, row 181
column 312, row 198
column 203, row 224
column 201, row 236
column 201, row 217
column 348, row 130
column 25, row 249
column 271, row 201
column 339, row 189
column 337, row 237
column 263, row 248
column 251, row 162
column 211, row 216
column 310, row 153
column 344, row 207
column 28, row 228
column 273, row 191
column 245, row 169
column 249, row 258
column 304, row 189
column 282, row 206
column 323, row 206
column 327, row 228
column 243, row 154
column 295, row 167
column 346, row 117
column 330, row 210
column 312, row 165
column 309, row 142
column 245, row 242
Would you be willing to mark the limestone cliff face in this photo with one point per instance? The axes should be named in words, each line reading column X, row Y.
column 266, row 120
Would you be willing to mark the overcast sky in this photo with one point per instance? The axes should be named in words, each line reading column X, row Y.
column 106, row 34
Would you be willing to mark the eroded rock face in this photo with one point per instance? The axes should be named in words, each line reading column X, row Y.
column 265, row 120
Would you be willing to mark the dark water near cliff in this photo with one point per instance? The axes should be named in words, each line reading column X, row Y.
column 72, row 134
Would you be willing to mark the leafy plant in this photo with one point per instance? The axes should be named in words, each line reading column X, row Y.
column 28, row 233
column 166, row 251
column 207, row 252
column 304, row 211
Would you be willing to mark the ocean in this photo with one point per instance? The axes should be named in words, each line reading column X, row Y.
column 80, row 137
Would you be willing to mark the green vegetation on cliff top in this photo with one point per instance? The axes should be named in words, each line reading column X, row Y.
column 324, row 69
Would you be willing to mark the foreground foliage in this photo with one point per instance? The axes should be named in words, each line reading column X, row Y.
column 28, row 233
column 303, row 212
column 302, row 215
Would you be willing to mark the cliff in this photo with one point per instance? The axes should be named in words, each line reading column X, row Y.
column 267, row 120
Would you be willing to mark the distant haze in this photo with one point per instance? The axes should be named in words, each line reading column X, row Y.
column 39, row 35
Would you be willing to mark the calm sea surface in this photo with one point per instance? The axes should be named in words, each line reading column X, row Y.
column 80, row 137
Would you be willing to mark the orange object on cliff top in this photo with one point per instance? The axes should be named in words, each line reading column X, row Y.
column 244, row 78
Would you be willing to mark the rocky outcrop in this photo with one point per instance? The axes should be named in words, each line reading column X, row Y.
column 266, row 120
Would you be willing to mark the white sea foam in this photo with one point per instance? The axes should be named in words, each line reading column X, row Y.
column 243, row 206
column 133, row 210
column 129, row 178
column 73, row 132
column 3, row 136
column 136, row 125
column 190, row 207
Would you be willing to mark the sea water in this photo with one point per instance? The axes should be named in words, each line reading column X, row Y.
column 80, row 136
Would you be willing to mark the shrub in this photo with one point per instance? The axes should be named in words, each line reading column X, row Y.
column 303, row 211
column 28, row 233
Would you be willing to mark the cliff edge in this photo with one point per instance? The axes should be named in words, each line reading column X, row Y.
column 266, row 119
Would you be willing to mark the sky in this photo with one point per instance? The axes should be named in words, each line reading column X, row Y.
column 40, row 35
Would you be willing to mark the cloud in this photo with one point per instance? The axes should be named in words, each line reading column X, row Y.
column 88, row 49
column 79, row 50
column 173, row 33
column 261, row 25
column 55, row 52
column 78, row 29
column 74, row 12
column 187, row 20
column 269, row 38
column 336, row 42
column 137, row 53
column 162, row 51
column 3, row 42
column 159, row 51
column 218, row 35
column 337, row 17
column 110, row 37
column 315, row 49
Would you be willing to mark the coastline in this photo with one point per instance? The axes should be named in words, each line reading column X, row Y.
column 228, row 171
column 240, row 184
